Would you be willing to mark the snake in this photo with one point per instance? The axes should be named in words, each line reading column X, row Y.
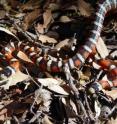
column 56, row 65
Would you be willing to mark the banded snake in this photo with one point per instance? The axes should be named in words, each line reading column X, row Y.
column 78, row 59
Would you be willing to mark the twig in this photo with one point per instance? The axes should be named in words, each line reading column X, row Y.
column 74, row 89
column 88, row 107
column 16, row 119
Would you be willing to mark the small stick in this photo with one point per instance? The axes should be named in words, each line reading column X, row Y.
column 89, row 109
column 74, row 89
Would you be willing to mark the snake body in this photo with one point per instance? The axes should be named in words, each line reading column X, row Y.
column 84, row 52
column 55, row 65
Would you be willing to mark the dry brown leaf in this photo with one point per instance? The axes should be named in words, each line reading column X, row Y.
column 64, row 19
column 23, row 56
column 8, row 32
column 72, row 7
column 16, row 107
column 85, row 8
column 47, row 16
column 112, row 93
column 62, row 44
column 47, row 39
column 30, row 17
column 5, row 4
column 30, row 5
column 101, row 48
column 17, row 77
column 46, row 120
column 85, row 76
column 2, row 117
column 40, row 28
column 3, row 112
column 14, row 3
column 53, row 6
column 20, row 15
column 2, row 14
column 95, row 65
column 53, row 85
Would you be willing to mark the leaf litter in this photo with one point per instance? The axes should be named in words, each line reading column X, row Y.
column 71, row 97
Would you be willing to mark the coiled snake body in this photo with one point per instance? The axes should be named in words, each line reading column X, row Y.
column 79, row 58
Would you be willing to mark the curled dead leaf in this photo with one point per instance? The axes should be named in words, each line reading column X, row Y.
column 8, row 32
column 46, row 39
column 65, row 19
column 62, row 44
column 53, row 85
